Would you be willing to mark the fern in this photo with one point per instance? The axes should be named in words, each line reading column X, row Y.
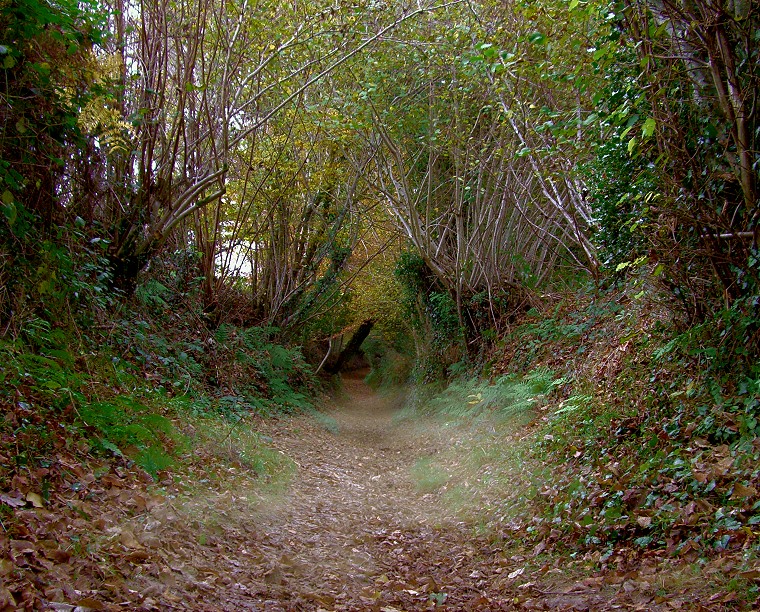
column 125, row 422
column 255, row 338
column 153, row 459
column 153, row 294
column 48, row 375
column 63, row 356
column 282, row 358
column 37, row 331
column 223, row 333
column 507, row 397
column 277, row 374
column 106, row 124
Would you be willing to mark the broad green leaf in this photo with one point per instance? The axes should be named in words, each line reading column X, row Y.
column 632, row 145
column 537, row 38
column 647, row 130
column 9, row 210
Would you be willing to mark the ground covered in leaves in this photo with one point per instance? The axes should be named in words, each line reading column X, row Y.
column 378, row 513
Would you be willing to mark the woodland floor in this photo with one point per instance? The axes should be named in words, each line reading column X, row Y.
column 354, row 529
column 360, row 525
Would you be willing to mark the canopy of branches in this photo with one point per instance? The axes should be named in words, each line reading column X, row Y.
column 284, row 146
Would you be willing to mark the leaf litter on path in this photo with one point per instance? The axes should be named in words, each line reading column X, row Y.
column 353, row 530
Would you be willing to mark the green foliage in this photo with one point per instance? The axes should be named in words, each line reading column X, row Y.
column 432, row 312
column 47, row 281
column 560, row 332
column 428, row 477
column 645, row 476
column 706, row 150
column 153, row 294
column 239, row 444
column 48, row 389
column 644, row 133
column 442, row 312
column 414, row 276
column 657, row 453
column 124, row 424
column 725, row 347
column 278, row 380
column 324, row 294
column 621, row 189
column 391, row 366
column 88, row 372
column 139, row 345
column 504, row 399
column 45, row 50
column 30, row 376
column 620, row 179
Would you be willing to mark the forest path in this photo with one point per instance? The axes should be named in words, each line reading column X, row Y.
column 362, row 525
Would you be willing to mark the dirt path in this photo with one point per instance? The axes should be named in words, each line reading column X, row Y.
column 355, row 526
column 355, row 529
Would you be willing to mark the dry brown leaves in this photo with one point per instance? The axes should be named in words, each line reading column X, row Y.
column 351, row 532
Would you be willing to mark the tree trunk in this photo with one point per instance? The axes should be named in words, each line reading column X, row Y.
column 353, row 346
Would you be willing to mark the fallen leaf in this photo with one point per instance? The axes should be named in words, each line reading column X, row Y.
column 742, row 492
column 644, row 521
column 13, row 502
column 34, row 499
column 6, row 567
column 629, row 586
column 516, row 573
column 109, row 480
column 128, row 539
column 59, row 556
column 6, row 599
column 22, row 547
column 88, row 603
column 137, row 556
column 752, row 574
